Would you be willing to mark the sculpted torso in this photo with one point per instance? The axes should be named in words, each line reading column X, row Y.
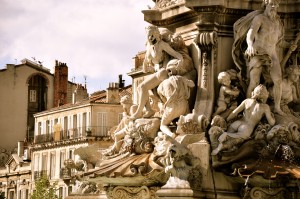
column 268, row 34
column 155, row 52
column 254, row 111
column 287, row 92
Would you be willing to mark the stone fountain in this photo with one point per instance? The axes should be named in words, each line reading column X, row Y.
column 225, row 76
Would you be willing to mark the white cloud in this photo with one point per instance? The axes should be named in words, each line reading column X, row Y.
column 95, row 38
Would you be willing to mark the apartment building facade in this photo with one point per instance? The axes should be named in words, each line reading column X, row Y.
column 26, row 89
column 60, row 131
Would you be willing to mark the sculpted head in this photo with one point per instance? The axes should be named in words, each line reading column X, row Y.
column 293, row 72
column 126, row 102
column 271, row 8
column 153, row 34
column 224, row 78
column 126, row 99
column 177, row 41
column 260, row 93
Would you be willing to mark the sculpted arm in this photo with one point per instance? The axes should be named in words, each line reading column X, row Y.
column 252, row 33
column 234, row 91
column 147, row 64
column 236, row 111
column 269, row 115
column 171, row 51
column 295, row 97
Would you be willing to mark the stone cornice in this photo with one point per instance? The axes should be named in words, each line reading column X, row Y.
column 191, row 9
column 51, row 145
column 160, row 21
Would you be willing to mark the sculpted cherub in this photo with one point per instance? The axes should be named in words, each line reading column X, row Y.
column 174, row 92
column 254, row 109
column 289, row 93
column 289, row 97
column 227, row 94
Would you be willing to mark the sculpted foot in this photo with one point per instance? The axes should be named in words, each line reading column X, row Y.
column 279, row 112
column 149, row 114
column 110, row 152
column 217, row 150
column 136, row 116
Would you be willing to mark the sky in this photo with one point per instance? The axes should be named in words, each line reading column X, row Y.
column 95, row 38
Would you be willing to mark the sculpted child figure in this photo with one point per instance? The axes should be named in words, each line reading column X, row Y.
column 120, row 131
column 227, row 94
column 289, row 97
column 254, row 109
column 289, row 93
column 165, row 60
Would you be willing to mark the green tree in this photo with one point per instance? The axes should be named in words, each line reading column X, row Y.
column 2, row 195
column 43, row 189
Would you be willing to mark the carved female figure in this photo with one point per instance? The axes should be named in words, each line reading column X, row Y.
column 254, row 109
column 158, row 53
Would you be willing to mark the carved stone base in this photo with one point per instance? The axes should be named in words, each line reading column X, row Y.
column 98, row 196
column 266, row 193
column 142, row 192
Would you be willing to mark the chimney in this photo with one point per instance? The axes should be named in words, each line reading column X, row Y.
column 20, row 148
column 79, row 94
column 121, row 82
column 112, row 93
column 60, row 83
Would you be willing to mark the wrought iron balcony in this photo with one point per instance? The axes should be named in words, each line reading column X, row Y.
column 72, row 134
column 39, row 174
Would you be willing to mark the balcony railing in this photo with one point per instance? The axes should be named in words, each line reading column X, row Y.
column 39, row 174
column 71, row 134
column 65, row 173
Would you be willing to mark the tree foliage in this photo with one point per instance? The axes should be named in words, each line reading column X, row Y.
column 2, row 195
column 43, row 189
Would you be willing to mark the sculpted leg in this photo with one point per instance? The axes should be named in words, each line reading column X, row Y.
column 255, row 73
column 149, row 83
column 277, row 88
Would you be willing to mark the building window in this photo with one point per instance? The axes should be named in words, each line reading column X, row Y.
column 36, row 162
column 24, row 194
column 39, row 128
column 11, row 195
column 101, row 122
column 71, row 154
column 44, row 164
column 52, row 165
column 60, row 195
column 32, row 96
column 120, row 117
column 84, row 122
column 75, row 130
column 47, row 127
column 62, row 158
column 65, row 126
column 69, row 190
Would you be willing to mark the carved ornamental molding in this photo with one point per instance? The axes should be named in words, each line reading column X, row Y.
column 261, row 193
column 142, row 192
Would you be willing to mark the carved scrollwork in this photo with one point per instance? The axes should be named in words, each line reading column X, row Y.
column 138, row 169
column 259, row 193
column 207, row 39
column 131, row 192
column 161, row 4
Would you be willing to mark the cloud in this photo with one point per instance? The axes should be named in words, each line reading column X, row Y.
column 95, row 38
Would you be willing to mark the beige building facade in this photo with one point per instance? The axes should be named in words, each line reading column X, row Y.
column 60, row 132
column 15, row 179
column 26, row 89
